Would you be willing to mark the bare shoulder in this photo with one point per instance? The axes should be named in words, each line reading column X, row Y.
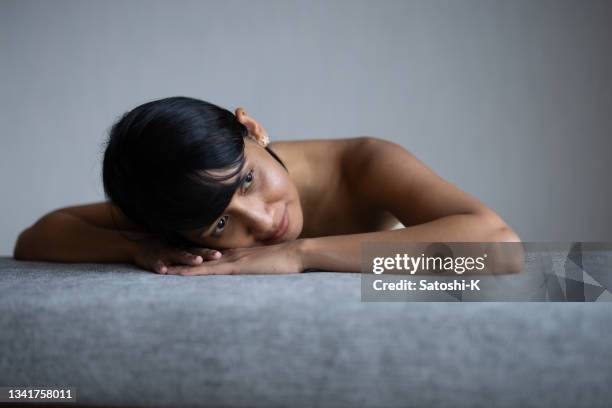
column 367, row 146
column 389, row 176
column 337, row 161
column 360, row 153
column 317, row 151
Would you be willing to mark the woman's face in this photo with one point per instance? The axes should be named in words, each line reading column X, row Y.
column 264, row 210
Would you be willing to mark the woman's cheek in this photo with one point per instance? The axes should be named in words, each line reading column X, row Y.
column 276, row 185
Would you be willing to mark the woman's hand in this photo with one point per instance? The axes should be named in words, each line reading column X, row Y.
column 281, row 258
column 158, row 257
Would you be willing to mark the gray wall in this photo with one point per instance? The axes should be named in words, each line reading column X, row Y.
column 510, row 100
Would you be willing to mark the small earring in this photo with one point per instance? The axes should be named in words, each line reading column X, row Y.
column 263, row 142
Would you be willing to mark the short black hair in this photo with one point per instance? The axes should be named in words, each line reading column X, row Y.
column 157, row 163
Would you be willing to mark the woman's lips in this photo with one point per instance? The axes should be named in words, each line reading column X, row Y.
column 282, row 228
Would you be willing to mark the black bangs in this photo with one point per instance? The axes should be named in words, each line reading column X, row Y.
column 174, row 165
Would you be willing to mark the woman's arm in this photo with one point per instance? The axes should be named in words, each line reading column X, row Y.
column 343, row 252
column 86, row 233
column 100, row 233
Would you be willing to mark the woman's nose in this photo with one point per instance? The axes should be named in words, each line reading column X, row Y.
column 259, row 218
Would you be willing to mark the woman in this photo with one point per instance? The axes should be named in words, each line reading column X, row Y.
column 194, row 189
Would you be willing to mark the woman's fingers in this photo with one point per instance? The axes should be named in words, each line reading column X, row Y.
column 159, row 266
column 159, row 258
column 206, row 253
column 184, row 258
column 191, row 258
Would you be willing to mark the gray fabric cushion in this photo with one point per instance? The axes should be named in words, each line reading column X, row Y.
column 126, row 337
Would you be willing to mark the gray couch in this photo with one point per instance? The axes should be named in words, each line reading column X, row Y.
column 126, row 337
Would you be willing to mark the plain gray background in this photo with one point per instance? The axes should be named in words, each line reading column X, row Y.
column 509, row 100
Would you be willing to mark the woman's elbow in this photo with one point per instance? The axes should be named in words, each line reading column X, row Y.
column 20, row 250
column 505, row 234
column 510, row 256
column 27, row 246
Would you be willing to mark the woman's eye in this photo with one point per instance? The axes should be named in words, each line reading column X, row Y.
column 248, row 180
column 221, row 225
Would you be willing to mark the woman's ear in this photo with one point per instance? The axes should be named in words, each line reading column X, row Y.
column 256, row 131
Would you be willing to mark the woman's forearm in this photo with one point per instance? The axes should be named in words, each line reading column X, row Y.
column 343, row 252
column 62, row 237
